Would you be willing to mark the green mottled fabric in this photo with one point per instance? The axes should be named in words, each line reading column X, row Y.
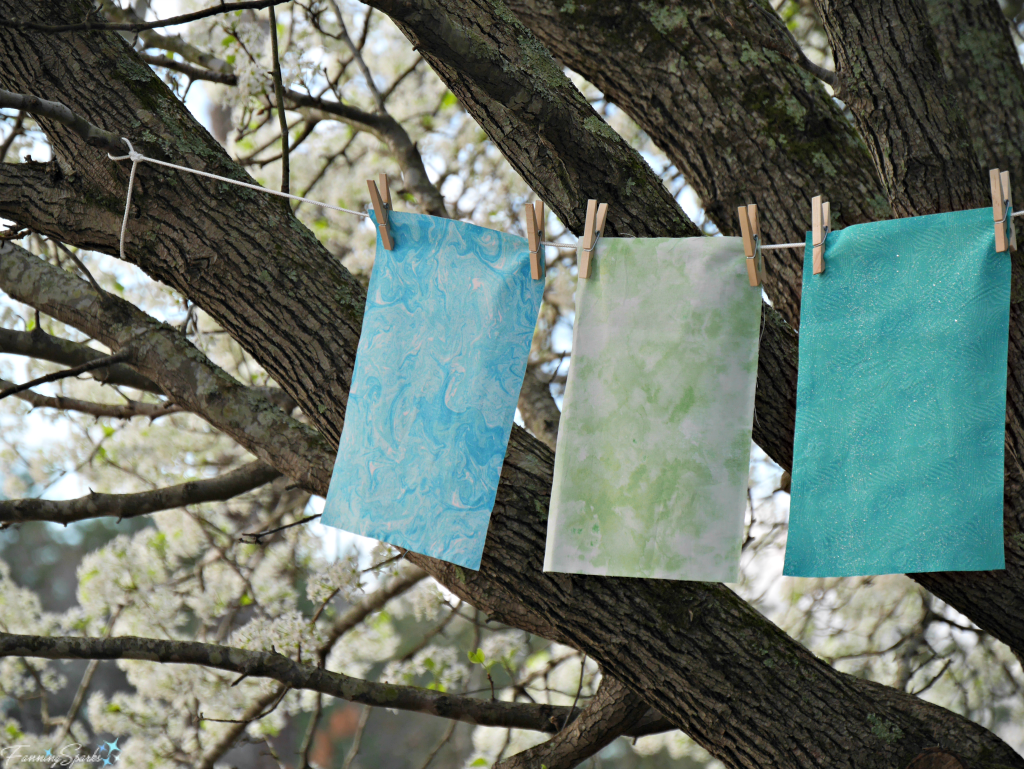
column 654, row 442
column 901, row 400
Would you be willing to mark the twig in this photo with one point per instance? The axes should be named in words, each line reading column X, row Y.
column 937, row 676
column 81, row 266
column 307, row 741
column 279, row 98
column 139, row 26
column 93, row 135
column 358, row 739
column 85, row 367
column 444, row 739
column 572, row 710
column 264, row 714
column 16, row 131
column 383, row 563
column 258, row 535
column 113, row 410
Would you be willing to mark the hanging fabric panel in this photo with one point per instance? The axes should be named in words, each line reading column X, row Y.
column 901, row 400
column 653, row 446
column 449, row 320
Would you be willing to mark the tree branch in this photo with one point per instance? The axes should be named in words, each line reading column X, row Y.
column 38, row 344
column 175, row 43
column 538, row 408
column 93, row 135
column 86, row 26
column 113, row 410
column 94, row 505
column 382, row 125
column 295, row 675
column 404, row 581
column 784, row 43
column 279, row 97
column 395, row 586
column 705, row 649
column 613, row 711
column 16, row 130
column 65, row 374
column 183, row 372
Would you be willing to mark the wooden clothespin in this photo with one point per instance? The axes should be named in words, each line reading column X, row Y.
column 750, row 229
column 592, row 230
column 1002, row 209
column 821, row 226
column 381, row 201
column 533, row 219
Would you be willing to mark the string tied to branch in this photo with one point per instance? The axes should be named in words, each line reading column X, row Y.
column 137, row 157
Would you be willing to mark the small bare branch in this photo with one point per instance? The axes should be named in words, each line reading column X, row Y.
column 93, row 505
column 256, row 537
column 93, row 135
column 83, row 369
column 38, row 344
column 279, row 98
column 80, row 265
column 112, row 410
column 17, row 130
column 315, row 109
column 86, row 26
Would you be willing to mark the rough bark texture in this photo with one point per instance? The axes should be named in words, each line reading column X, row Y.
column 163, row 354
column 891, row 78
column 743, row 125
column 694, row 651
column 612, row 711
column 601, row 42
column 979, row 60
column 538, row 408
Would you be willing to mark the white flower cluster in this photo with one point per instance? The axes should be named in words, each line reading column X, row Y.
column 437, row 667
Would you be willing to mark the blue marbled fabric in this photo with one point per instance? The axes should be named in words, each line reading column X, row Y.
column 901, row 400
column 449, row 319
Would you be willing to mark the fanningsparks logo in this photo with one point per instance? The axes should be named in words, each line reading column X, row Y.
column 71, row 754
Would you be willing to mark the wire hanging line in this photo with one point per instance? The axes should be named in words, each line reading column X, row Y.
column 138, row 157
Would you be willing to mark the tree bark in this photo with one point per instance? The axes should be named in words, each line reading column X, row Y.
column 980, row 60
column 891, row 78
column 710, row 109
column 743, row 124
column 612, row 711
column 695, row 651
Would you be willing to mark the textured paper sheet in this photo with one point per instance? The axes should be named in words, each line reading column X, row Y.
column 901, row 400
column 654, row 441
column 450, row 314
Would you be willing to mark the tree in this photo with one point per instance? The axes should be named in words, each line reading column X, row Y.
column 724, row 91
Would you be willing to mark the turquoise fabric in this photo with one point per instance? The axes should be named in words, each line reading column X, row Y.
column 901, row 400
column 449, row 319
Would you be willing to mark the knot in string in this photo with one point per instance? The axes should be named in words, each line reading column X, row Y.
column 135, row 157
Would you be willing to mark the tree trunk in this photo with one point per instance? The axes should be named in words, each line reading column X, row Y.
column 695, row 651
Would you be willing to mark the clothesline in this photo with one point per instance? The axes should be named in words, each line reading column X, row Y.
column 138, row 157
